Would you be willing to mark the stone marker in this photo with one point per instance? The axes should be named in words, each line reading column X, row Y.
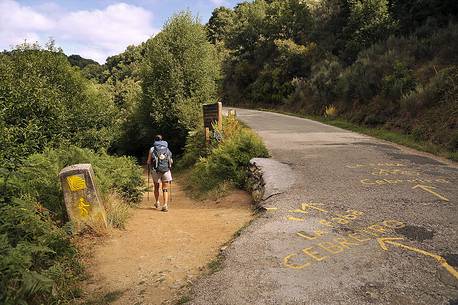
column 81, row 198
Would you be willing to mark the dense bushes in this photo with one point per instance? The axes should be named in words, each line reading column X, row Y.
column 223, row 163
column 433, row 109
column 46, row 102
column 37, row 260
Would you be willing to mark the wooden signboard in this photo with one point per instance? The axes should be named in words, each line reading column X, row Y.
column 213, row 113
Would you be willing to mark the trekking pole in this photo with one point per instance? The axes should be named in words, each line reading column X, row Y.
column 170, row 191
column 147, row 196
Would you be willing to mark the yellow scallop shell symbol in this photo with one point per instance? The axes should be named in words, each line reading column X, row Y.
column 76, row 183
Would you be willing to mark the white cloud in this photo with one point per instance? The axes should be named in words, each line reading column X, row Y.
column 219, row 2
column 95, row 34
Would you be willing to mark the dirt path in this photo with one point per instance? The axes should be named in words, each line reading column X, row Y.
column 160, row 253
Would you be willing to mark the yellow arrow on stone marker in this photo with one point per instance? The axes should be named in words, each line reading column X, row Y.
column 271, row 209
column 429, row 190
column 393, row 241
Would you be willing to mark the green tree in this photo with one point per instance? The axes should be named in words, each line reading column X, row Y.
column 44, row 101
column 368, row 23
column 289, row 19
column 179, row 75
column 219, row 25
column 81, row 62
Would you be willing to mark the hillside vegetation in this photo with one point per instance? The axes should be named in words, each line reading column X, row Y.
column 380, row 63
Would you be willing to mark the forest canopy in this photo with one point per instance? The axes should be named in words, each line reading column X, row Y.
column 380, row 63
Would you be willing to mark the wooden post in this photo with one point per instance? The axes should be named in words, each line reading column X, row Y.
column 220, row 116
column 207, row 135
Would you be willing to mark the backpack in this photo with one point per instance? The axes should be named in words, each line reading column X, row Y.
column 161, row 159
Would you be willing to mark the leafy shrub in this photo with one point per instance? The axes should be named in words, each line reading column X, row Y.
column 37, row 260
column 44, row 101
column 228, row 161
column 194, row 149
column 399, row 82
column 323, row 81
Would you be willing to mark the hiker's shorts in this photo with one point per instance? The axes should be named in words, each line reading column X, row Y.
column 164, row 177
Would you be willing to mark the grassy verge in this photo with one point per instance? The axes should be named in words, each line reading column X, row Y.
column 380, row 133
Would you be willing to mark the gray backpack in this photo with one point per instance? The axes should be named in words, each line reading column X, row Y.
column 161, row 159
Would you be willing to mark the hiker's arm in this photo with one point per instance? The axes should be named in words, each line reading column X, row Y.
column 149, row 158
column 170, row 159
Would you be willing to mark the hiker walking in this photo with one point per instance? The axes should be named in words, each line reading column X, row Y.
column 160, row 162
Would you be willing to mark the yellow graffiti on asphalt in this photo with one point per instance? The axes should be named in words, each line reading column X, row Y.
column 83, row 206
column 76, row 183
column 393, row 241
column 305, row 208
column 429, row 189
column 316, row 234
column 298, row 211
column 293, row 266
column 387, row 164
column 271, row 209
column 326, row 246
column 387, row 172
column 379, row 182
column 294, row 218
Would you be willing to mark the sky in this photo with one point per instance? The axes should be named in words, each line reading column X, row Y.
column 93, row 29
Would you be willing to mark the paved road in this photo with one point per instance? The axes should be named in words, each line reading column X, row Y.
column 353, row 197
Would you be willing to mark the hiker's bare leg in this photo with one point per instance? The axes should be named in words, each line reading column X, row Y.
column 156, row 191
column 165, row 192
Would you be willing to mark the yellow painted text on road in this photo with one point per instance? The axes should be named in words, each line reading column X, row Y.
column 379, row 182
column 329, row 246
column 388, row 172
column 387, row 164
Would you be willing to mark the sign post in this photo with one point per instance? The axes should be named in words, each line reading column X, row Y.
column 213, row 113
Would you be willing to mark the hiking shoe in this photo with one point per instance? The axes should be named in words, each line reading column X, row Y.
column 157, row 205
column 165, row 208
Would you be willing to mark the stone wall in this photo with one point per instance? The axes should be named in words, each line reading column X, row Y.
column 267, row 178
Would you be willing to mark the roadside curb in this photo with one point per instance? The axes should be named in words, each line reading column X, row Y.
column 267, row 178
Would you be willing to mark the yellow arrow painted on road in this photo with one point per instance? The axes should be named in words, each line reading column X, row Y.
column 271, row 209
column 429, row 190
column 294, row 218
column 393, row 241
